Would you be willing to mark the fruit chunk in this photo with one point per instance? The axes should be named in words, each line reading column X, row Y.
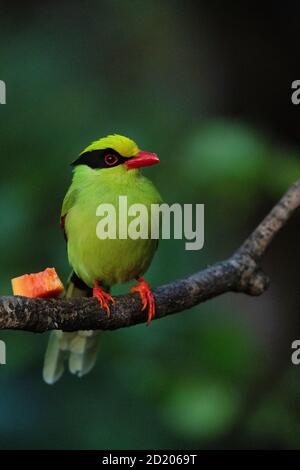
column 43, row 284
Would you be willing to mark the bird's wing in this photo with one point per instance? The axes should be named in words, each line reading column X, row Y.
column 68, row 203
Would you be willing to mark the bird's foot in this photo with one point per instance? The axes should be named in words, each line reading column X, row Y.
column 144, row 289
column 103, row 297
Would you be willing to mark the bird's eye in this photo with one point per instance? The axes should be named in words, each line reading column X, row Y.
column 110, row 159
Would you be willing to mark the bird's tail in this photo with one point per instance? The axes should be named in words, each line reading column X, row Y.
column 78, row 348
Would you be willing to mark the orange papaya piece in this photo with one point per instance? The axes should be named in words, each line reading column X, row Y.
column 43, row 284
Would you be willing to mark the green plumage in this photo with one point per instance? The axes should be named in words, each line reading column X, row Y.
column 111, row 261
column 108, row 261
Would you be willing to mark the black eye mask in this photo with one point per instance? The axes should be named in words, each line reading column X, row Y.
column 105, row 158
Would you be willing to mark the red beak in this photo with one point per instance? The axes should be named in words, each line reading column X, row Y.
column 142, row 159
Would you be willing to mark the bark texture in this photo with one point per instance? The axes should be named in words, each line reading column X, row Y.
column 240, row 273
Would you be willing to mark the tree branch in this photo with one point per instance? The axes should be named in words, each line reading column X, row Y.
column 240, row 273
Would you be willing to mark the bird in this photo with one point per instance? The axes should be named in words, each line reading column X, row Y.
column 106, row 169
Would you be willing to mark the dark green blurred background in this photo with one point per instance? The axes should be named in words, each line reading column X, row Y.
column 208, row 89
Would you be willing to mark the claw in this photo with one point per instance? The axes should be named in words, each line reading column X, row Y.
column 147, row 298
column 103, row 297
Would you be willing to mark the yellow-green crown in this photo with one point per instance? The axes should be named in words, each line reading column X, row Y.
column 123, row 145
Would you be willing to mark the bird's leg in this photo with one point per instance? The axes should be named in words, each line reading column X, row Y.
column 144, row 289
column 102, row 296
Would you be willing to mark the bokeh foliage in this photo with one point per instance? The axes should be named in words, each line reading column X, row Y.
column 216, row 376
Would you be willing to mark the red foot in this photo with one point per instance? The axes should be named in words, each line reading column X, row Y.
column 147, row 297
column 103, row 297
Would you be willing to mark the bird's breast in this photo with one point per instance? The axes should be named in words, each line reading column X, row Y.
column 115, row 259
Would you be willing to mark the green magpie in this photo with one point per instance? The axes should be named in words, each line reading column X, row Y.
column 106, row 169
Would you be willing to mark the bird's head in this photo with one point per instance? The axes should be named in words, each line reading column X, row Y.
column 115, row 153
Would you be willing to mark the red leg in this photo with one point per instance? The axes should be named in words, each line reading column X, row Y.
column 144, row 289
column 102, row 296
